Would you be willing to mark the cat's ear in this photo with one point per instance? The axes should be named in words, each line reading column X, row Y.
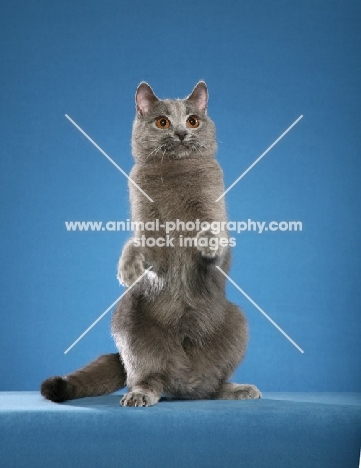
column 199, row 96
column 144, row 98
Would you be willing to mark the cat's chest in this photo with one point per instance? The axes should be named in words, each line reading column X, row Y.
column 178, row 190
column 163, row 183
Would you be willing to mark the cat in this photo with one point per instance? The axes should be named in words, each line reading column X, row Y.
column 176, row 332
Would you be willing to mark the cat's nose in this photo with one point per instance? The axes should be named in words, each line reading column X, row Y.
column 181, row 134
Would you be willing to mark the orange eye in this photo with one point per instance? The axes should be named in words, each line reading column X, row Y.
column 192, row 121
column 162, row 122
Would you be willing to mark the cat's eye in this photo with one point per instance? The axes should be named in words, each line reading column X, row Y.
column 162, row 122
column 192, row 121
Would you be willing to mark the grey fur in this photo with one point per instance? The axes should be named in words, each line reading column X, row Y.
column 176, row 332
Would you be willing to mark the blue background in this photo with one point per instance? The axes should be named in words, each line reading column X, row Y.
column 265, row 63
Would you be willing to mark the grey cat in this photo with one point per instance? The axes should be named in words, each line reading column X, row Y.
column 176, row 332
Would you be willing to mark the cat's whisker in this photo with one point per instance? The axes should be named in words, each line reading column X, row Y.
column 196, row 146
column 163, row 152
column 152, row 152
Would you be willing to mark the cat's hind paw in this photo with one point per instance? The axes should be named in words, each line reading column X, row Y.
column 139, row 399
column 233, row 391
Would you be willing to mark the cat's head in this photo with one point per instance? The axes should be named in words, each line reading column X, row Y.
column 172, row 129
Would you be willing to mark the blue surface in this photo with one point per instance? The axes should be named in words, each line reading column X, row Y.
column 280, row 430
column 265, row 63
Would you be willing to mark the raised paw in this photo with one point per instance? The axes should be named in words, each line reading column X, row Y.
column 138, row 399
column 209, row 244
column 129, row 269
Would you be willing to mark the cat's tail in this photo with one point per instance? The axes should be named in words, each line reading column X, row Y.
column 102, row 376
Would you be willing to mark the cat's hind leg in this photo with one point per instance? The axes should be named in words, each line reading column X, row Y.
column 234, row 391
column 104, row 375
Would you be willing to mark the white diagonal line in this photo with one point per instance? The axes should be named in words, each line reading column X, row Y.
column 262, row 311
column 109, row 158
column 106, row 311
column 259, row 158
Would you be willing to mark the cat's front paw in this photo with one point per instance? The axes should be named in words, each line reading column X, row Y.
column 210, row 245
column 130, row 268
column 139, row 399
